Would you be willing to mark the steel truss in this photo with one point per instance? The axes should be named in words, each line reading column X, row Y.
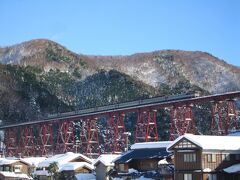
column 65, row 137
column 116, row 137
column 182, row 121
column 224, row 117
column 146, row 127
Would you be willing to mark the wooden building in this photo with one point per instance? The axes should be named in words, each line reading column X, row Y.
column 142, row 159
column 14, row 165
column 198, row 157
column 14, row 169
column 103, row 165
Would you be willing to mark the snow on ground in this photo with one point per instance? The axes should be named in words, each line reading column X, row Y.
column 163, row 161
column 85, row 176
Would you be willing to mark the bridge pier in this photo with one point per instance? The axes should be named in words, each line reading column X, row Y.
column 10, row 140
column 182, row 121
column 27, row 142
column 45, row 139
column 224, row 117
column 93, row 149
column 146, row 127
column 115, row 141
column 65, row 137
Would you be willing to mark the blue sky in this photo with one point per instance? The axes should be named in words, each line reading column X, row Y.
column 122, row 27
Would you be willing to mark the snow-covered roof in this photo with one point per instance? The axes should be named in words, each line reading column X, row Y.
column 233, row 169
column 12, row 174
column 4, row 161
column 106, row 159
column 71, row 166
column 7, row 161
column 33, row 160
column 228, row 143
column 61, row 159
column 85, row 176
column 145, row 145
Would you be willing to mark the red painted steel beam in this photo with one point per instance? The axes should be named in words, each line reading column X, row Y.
column 27, row 139
column 10, row 141
column 182, row 121
column 45, row 139
column 115, row 141
column 93, row 149
column 65, row 137
column 146, row 127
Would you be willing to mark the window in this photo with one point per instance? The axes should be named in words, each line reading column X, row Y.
column 237, row 156
column 225, row 157
column 190, row 157
column 121, row 167
column 187, row 176
column 211, row 158
column 17, row 168
column 185, row 144
column 212, row 177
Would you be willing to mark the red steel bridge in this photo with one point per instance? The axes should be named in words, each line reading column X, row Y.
column 78, row 131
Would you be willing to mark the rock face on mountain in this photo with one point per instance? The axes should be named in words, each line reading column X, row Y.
column 39, row 77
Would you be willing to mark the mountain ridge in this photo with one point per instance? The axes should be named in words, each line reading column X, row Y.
column 151, row 67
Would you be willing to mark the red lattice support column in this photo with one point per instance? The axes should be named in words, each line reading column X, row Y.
column 121, row 135
column 10, row 141
column 152, row 132
column 65, row 137
column 45, row 139
column 182, row 122
column 115, row 141
column 146, row 128
column 93, row 149
column 217, row 121
column 84, row 136
column 110, row 134
column 140, row 134
column 231, row 124
column 27, row 146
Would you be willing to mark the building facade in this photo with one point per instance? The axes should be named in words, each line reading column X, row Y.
column 205, row 157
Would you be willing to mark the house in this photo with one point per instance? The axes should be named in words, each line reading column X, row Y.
column 69, row 163
column 33, row 163
column 199, row 157
column 103, row 165
column 14, row 169
column 70, row 169
column 142, row 160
